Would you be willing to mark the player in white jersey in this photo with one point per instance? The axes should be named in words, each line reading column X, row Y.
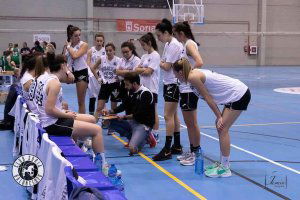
column 110, row 85
column 129, row 62
column 216, row 89
column 77, row 55
column 149, row 70
column 172, row 52
column 57, row 121
column 188, row 100
column 93, row 55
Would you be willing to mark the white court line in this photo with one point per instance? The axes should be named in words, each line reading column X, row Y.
column 251, row 153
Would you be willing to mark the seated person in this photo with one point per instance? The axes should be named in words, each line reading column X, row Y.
column 55, row 120
column 140, row 112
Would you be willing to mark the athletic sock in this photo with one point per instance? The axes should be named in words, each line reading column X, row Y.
column 177, row 139
column 195, row 149
column 168, row 142
column 191, row 147
column 225, row 161
column 92, row 105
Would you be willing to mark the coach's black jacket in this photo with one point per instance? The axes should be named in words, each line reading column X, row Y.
column 141, row 105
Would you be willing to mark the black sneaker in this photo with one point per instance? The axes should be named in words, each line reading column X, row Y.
column 164, row 154
column 176, row 150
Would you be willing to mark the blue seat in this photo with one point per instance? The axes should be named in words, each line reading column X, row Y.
column 82, row 164
column 72, row 151
column 93, row 179
column 62, row 140
column 97, row 180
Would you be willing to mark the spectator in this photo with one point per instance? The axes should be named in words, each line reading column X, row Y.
column 16, row 55
column 37, row 48
column 25, row 50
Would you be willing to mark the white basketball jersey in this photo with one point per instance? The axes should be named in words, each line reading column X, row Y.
column 223, row 89
column 41, row 99
column 107, row 69
column 79, row 63
column 97, row 54
column 183, row 86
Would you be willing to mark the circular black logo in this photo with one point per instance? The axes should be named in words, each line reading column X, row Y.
column 28, row 170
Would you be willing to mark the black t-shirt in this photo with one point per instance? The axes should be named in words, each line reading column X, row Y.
column 25, row 49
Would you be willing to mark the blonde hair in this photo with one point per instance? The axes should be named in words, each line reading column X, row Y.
column 183, row 65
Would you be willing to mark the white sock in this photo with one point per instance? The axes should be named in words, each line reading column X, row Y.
column 103, row 159
column 225, row 161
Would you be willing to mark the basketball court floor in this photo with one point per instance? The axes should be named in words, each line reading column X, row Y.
column 265, row 158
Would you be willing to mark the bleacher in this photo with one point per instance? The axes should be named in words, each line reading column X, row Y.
column 157, row 4
column 66, row 166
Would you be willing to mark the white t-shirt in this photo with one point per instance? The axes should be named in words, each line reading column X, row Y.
column 97, row 54
column 41, row 99
column 172, row 53
column 130, row 64
column 223, row 89
column 151, row 60
column 107, row 69
column 183, row 86
column 79, row 63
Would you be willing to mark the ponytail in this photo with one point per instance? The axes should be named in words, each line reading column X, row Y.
column 186, row 29
column 39, row 66
column 149, row 38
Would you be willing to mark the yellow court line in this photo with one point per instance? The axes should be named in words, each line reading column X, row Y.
column 264, row 124
column 188, row 188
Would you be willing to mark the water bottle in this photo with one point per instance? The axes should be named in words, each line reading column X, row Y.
column 115, row 177
column 112, row 174
column 199, row 162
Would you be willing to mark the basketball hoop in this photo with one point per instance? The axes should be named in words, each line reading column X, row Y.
column 191, row 12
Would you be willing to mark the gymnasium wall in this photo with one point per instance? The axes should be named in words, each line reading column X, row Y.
column 220, row 16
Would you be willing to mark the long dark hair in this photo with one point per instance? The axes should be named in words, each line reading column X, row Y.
column 131, row 46
column 164, row 25
column 69, row 32
column 186, row 29
column 149, row 38
column 28, row 64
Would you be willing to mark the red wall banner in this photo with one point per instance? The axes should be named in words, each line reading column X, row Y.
column 136, row 25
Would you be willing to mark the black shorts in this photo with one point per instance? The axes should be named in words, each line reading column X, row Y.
column 62, row 127
column 171, row 93
column 81, row 75
column 241, row 104
column 111, row 90
column 188, row 101
column 155, row 97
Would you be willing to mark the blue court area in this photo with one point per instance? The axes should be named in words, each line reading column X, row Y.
column 265, row 158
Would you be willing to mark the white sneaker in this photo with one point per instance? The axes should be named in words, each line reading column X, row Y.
column 189, row 161
column 183, row 156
